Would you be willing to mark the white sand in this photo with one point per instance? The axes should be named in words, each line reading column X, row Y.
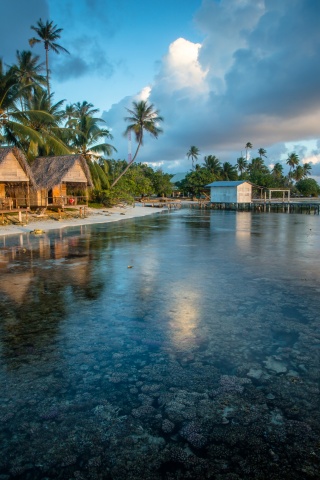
column 51, row 221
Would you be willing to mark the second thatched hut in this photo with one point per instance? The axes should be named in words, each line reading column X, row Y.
column 61, row 181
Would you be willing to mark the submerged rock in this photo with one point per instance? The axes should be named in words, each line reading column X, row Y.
column 275, row 365
column 254, row 373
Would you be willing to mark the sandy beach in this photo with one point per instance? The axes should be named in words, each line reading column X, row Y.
column 51, row 220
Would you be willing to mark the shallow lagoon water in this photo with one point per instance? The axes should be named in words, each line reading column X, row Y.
column 200, row 361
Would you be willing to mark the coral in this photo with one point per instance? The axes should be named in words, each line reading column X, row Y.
column 193, row 433
column 167, row 426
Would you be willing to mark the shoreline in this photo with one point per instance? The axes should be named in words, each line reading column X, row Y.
column 51, row 221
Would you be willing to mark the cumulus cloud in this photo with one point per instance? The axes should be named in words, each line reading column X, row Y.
column 181, row 69
column 255, row 77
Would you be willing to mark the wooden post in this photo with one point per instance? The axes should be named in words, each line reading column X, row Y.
column 28, row 195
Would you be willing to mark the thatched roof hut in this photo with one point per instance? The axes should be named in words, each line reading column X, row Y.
column 14, row 166
column 52, row 171
column 16, row 178
column 60, row 178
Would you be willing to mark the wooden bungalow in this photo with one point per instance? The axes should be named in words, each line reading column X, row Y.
column 231, row 191
column 16, row 179
column 62, row 181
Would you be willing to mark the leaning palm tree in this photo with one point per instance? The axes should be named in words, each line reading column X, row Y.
column 194, row 154
column 48, row 34
column 143, row 118
column 248, row 146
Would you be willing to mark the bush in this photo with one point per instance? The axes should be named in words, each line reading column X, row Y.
column 307, row 187
column 109, row 198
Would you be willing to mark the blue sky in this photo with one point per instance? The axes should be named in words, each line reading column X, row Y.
column 221, row 72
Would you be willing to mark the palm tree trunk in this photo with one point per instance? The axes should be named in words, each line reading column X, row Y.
column 128, row 166
column 47, row 68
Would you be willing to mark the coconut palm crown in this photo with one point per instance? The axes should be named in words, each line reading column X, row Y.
column 143, row 118
column 47, row 34
column 194, row 154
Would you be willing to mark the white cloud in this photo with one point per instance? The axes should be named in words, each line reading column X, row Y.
column 144, row 94
column 314, row 159
column 181, row 70
column 254, row 78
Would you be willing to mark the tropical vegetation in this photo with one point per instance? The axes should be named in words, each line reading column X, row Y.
column 254, row 171
column 32, row 120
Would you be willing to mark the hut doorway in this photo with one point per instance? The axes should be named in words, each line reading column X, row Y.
column 50, row 196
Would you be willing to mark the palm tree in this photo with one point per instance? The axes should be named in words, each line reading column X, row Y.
column 69, row 114
column 298, row 173
column 28, row 72
column 307, row 167
column 143, row 118
column 277, row 170
column 242, row 165
column 248, row 146
column 257, row 165
column 88, row 136
column 212, row 163
column 14, row 125
column 228, row 172
column 48, row 34
column 262, row 153
column 194, row 154
column 292, row 161
column 84, row 109
column 45, row 118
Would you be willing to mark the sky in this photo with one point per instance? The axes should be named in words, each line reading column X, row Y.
column 220, row 72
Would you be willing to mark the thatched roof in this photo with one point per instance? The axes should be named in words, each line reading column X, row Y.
column 4, row 152
column 49, row 171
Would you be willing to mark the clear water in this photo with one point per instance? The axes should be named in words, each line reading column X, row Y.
column 201, row 361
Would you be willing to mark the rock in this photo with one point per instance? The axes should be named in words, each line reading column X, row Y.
column 275, row 365
column 254, row 373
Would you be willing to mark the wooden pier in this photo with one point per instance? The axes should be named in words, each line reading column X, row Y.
column 5, row 211
column 161, row 202
column 306, row 206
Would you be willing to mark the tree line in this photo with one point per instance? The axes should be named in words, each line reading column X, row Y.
column 31, row 120
column 254, row 170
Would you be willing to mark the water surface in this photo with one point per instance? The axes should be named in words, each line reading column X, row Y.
column 201, row 360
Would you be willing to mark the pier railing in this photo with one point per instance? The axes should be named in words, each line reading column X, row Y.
column 306, row 205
